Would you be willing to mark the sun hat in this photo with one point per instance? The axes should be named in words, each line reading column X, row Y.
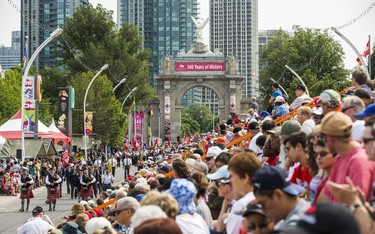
column 184, row 192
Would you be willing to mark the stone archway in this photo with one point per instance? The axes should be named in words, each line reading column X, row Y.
column 191, row 69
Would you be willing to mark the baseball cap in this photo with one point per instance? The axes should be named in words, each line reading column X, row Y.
column 370, row 110
column 318, row 219
column 300, row 87
column 289, row 127
column 336, row 124
column 279, row 99
column 123, row 204
column 221, row 173
column 164, row 168
column 317, row 110
column 213, row 151
column 271, row 177
column 264, row 113
column 250, row 208
column 329, row 95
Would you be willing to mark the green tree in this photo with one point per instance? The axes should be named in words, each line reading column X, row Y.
column 108, row 122
column 91, row 39
column 196, row 118
column 312, row 53
column 10, row 94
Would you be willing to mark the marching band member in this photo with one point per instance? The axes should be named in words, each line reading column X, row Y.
column 52, row 181
column 26, row 182
column 87, row 181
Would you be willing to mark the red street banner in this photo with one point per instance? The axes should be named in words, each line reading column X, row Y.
column 138, row 127
column 200, row 66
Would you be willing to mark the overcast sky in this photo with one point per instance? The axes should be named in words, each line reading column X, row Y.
column 272, row 14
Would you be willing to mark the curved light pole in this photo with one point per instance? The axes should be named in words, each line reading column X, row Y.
column 353, row 47
column 121, row 82
column 281, row 87
column 123, row 103
column 52, row 36
column 299, row 78
column 84, row 106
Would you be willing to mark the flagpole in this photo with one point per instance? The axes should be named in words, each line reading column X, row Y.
column 159, row 123
column 134, row 136
column 150, row 128
column 369, row 58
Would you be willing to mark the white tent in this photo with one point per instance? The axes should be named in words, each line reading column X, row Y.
column 2, row 142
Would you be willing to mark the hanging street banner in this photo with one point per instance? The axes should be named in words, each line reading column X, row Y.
column 64, row 111
column 88, row 123
column 138, row 126
column 167, row 118
column 28, row 118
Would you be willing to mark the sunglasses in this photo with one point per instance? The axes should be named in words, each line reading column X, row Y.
column 117, row 212
column 367, row 140
column 322, row 153
column 254, row 226
column 346, row 108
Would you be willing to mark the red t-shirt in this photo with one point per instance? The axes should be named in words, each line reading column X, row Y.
column 274, row 161
column 356, row 166
column 301, row 176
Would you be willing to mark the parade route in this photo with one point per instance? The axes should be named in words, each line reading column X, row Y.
column 11, row 218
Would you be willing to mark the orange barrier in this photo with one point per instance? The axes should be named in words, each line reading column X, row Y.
column 239, row 142
column 105, row 205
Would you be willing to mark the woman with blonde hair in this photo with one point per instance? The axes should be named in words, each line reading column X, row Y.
column 165, row 201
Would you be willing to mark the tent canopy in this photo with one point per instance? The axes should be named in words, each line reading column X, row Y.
column 57, row 136
column 11, row 130
column 33, row 148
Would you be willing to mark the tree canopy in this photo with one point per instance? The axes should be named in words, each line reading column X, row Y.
column 312, row 53
column 108, row 122
column 91, row 39
column 196, row 118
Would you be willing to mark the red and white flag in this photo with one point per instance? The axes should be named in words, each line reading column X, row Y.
column 65, row 156
column 156, row 144
column 365, row 53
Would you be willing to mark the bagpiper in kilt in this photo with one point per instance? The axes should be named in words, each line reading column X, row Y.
column 87, row 181
column 52, row 181
column 26, row 182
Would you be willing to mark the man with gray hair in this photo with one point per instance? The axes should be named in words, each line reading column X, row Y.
column 352, row 105
column 125, row 209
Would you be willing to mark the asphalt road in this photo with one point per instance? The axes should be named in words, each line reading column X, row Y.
column 11, row 218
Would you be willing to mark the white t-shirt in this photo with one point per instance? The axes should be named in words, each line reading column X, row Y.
column 308, row 126
column 192, row 224
column 298, row 101
column 233, row 222
column 253, row 146
column 35, row 225
column 358, row 129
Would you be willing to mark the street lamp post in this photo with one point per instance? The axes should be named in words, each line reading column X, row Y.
column 52, row 36
column 299, row 78
column 121, row 82
column 354, row 49
column 123, row 103
column 84, row 106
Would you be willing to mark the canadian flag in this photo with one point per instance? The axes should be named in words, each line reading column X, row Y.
column 365, row 53
column 156, row 144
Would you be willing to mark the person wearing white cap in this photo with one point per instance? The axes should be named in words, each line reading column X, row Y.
column 281, row 107
column 211, row 155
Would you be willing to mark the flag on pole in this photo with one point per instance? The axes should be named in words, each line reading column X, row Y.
column 156, row 144
column 151, row 113
column 65, row 156
column 365, row 53
column 24, row 59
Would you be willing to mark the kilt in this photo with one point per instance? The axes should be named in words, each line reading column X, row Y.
column 89, row 193
column 29, row 194
column 54, row 196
